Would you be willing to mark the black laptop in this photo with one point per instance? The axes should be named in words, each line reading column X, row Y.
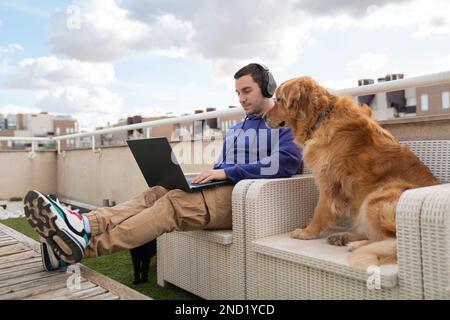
column 154, row 158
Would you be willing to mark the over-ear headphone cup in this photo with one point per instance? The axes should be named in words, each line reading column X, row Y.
column 271, row 85
column 268, row 82
column 265, row 84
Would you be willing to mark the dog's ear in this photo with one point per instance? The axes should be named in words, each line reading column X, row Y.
column 295, row 95
column 308, row 96
column 367, row 110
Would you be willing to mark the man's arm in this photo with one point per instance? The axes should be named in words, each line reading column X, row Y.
column 284, row 162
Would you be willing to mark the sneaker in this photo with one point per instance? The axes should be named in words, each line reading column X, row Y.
column 62, row 228
column 50, row 260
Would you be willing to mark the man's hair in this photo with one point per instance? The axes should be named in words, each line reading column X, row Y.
column 254, row 71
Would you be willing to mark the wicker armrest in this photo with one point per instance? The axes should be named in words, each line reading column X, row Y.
column 275, row 206
column 420, row 223
column 238, row 206
column 435, row 242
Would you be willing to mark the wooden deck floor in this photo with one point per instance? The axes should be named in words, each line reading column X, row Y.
column 22, row 276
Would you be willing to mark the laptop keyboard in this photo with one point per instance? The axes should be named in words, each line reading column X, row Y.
column 190, row 177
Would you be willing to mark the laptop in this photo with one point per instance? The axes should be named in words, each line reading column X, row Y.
column 154, row 158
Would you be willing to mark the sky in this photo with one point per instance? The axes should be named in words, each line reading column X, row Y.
column 102, row 60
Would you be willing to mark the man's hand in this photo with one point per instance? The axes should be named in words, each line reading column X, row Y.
column 207, row 176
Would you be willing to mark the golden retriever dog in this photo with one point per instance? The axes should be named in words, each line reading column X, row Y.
column 360, row 168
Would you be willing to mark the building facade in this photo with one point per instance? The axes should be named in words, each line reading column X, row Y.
column 433, row 100
column 420, row 101
column 36, row 125
column 63, row 126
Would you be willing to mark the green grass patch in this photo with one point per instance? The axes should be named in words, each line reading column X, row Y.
column 117, row 266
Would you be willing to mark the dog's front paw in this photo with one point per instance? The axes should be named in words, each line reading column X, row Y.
column 338, row 239
column 302, row 234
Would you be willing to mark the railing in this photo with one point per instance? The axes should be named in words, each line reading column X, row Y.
column 420, row 81
column 33, row 141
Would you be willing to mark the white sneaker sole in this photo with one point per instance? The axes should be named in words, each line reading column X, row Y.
column 46, row 221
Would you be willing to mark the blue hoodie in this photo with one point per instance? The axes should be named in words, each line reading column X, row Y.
column 252, row 150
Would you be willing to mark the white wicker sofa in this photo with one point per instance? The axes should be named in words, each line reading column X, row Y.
column 279, row 267
column 210, row 264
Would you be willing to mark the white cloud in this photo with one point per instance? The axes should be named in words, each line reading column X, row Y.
column 229, row 34
column 423, row 17
column 50, row 72
column 91, row 107
column 14, row 109
column 443, row 63
column 11, row 48
column 236, row 31
column 225, row 34
column 178, row 99
column 340, row 84
column 5, row 52
column 145, row 111
column 107, row 33
column 355, row 8
column 75, row 99
column 370, row 61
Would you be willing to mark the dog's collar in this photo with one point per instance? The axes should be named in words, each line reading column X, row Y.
column 322, row 116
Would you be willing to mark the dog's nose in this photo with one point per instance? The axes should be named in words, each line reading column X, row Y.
column 282, row 123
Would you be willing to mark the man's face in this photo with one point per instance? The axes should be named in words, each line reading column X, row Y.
column 249, row 94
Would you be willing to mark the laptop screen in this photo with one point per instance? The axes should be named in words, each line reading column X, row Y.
column 154, row 158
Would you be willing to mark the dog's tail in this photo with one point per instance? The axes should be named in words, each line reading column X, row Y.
column 375, row 253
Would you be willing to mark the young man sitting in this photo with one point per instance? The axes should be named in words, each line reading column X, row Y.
column 251, row 151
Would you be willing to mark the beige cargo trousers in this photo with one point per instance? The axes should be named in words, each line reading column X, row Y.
column 155, row 211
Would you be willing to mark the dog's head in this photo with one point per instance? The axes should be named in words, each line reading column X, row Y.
column 299, row 102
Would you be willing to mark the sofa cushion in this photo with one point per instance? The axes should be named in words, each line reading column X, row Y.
column 224, row 237
column 320, row 255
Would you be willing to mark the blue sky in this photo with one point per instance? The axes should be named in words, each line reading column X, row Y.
column 152, row 57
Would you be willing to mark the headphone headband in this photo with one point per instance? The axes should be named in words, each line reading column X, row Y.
column 262, row 66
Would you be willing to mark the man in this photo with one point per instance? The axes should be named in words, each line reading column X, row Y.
column 251, row 151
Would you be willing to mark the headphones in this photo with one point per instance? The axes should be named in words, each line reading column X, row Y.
column 267, row 89
column 268, row 81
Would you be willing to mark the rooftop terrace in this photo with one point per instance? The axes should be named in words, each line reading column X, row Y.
column 88, row 176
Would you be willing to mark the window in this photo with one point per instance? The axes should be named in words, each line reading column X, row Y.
column 424, row 102
column 445, row 100
column 58, row 131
